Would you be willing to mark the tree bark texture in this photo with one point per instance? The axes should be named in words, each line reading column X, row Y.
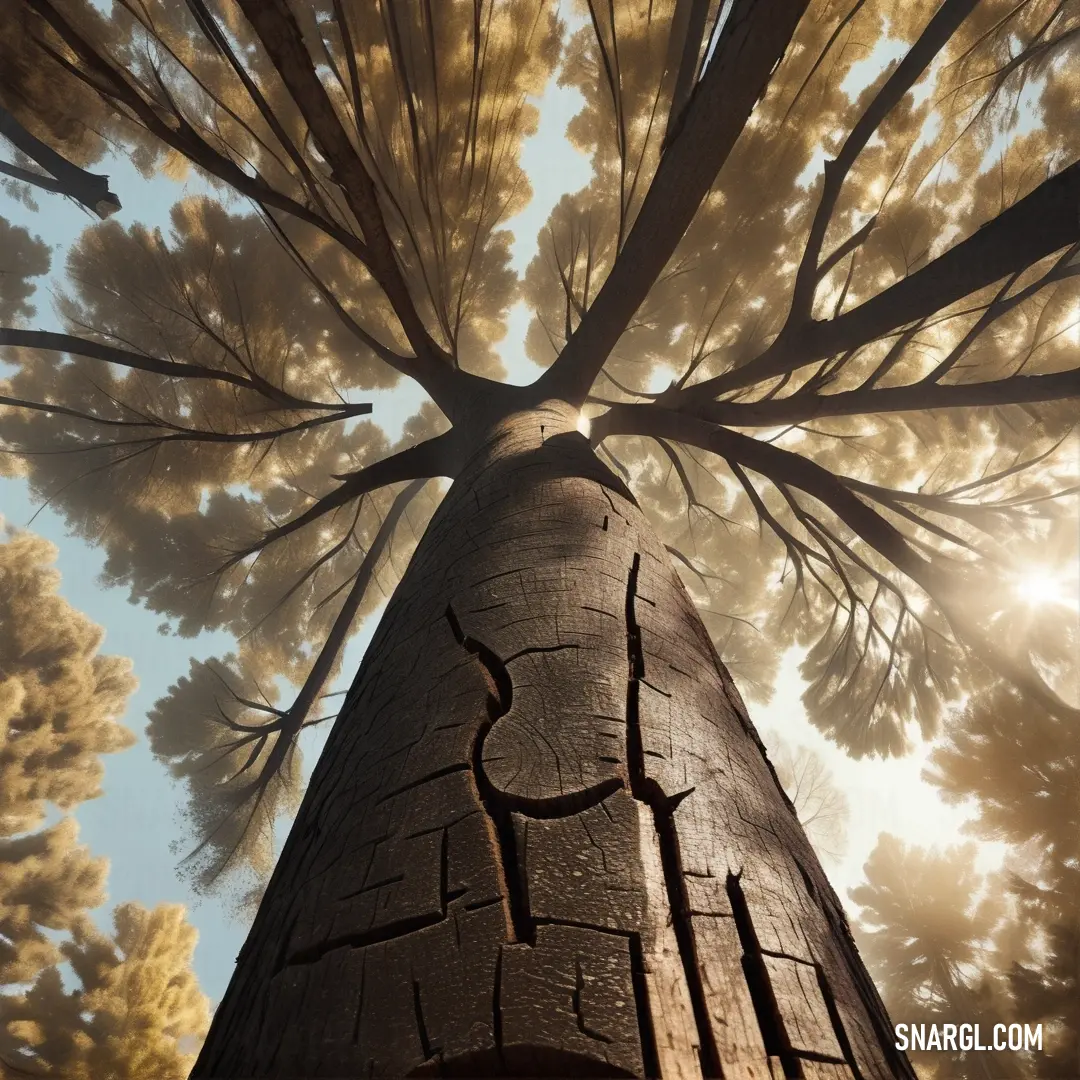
column 543, row 838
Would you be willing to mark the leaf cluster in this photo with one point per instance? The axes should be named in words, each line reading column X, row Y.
column 135, row 1007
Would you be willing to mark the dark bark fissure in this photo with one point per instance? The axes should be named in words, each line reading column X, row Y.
column 359, row 1007
column 646, row 1028
column 879, row 1019
column 811, row 890
column 645, row 789
column 446, row 771
column 837, row 1023
column 496, row 1003
column 421, row 1028
column 314, row 953
column 757, row 979
column 500, row 698
column 501, row 805
column 283, row 947
column 393, row 880
column 579, row 985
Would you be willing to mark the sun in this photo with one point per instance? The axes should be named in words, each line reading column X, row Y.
column 1041, row 586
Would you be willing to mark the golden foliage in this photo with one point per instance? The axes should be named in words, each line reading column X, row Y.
column 137, row 1011
column 62, row 700
column 137, row 1008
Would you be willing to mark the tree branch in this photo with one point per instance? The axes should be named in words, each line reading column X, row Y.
column 179, row 134
column 209, row 26
column 84, row 187
column 784, row 468
column 175, row 432
column 280, row 36
column 287, row 724
column 916, row 397
column 48, row 341
column 681, row 66
column 931, row 41
column 779, row 465
column 1044, row 221
column 846, row 248
column 750, row 46
column 439, row 456
column 402, row 364
column 292, row 720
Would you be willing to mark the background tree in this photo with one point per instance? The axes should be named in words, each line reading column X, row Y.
column 1019, row 764
column 136, row 1009
column 63, row 701
column 821, row 806
column 940, row 940
column 22, row 258
column 857, row 282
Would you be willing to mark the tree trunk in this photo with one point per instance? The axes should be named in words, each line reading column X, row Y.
column 543, row 838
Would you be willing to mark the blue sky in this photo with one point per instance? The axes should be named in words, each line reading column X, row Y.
column 136, row 822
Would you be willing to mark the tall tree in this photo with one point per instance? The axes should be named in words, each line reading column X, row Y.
column 136, row 1009
column 543, row 836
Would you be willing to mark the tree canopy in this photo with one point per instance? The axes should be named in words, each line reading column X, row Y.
column 818, row 305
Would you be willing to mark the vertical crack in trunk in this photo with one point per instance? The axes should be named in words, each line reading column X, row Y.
column 359, row 1001
column 281, row 960
column 499, row 806
column 429, row 1051
column 808, row 882
column 646, row 790
column 773, row 1033
column 496, row 1004
column 864, row 987
column 650, row 1053
column 500, row 698
column 837, row 1023
column 575, row 999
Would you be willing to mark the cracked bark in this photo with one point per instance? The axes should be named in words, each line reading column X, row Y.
column 516, row 854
